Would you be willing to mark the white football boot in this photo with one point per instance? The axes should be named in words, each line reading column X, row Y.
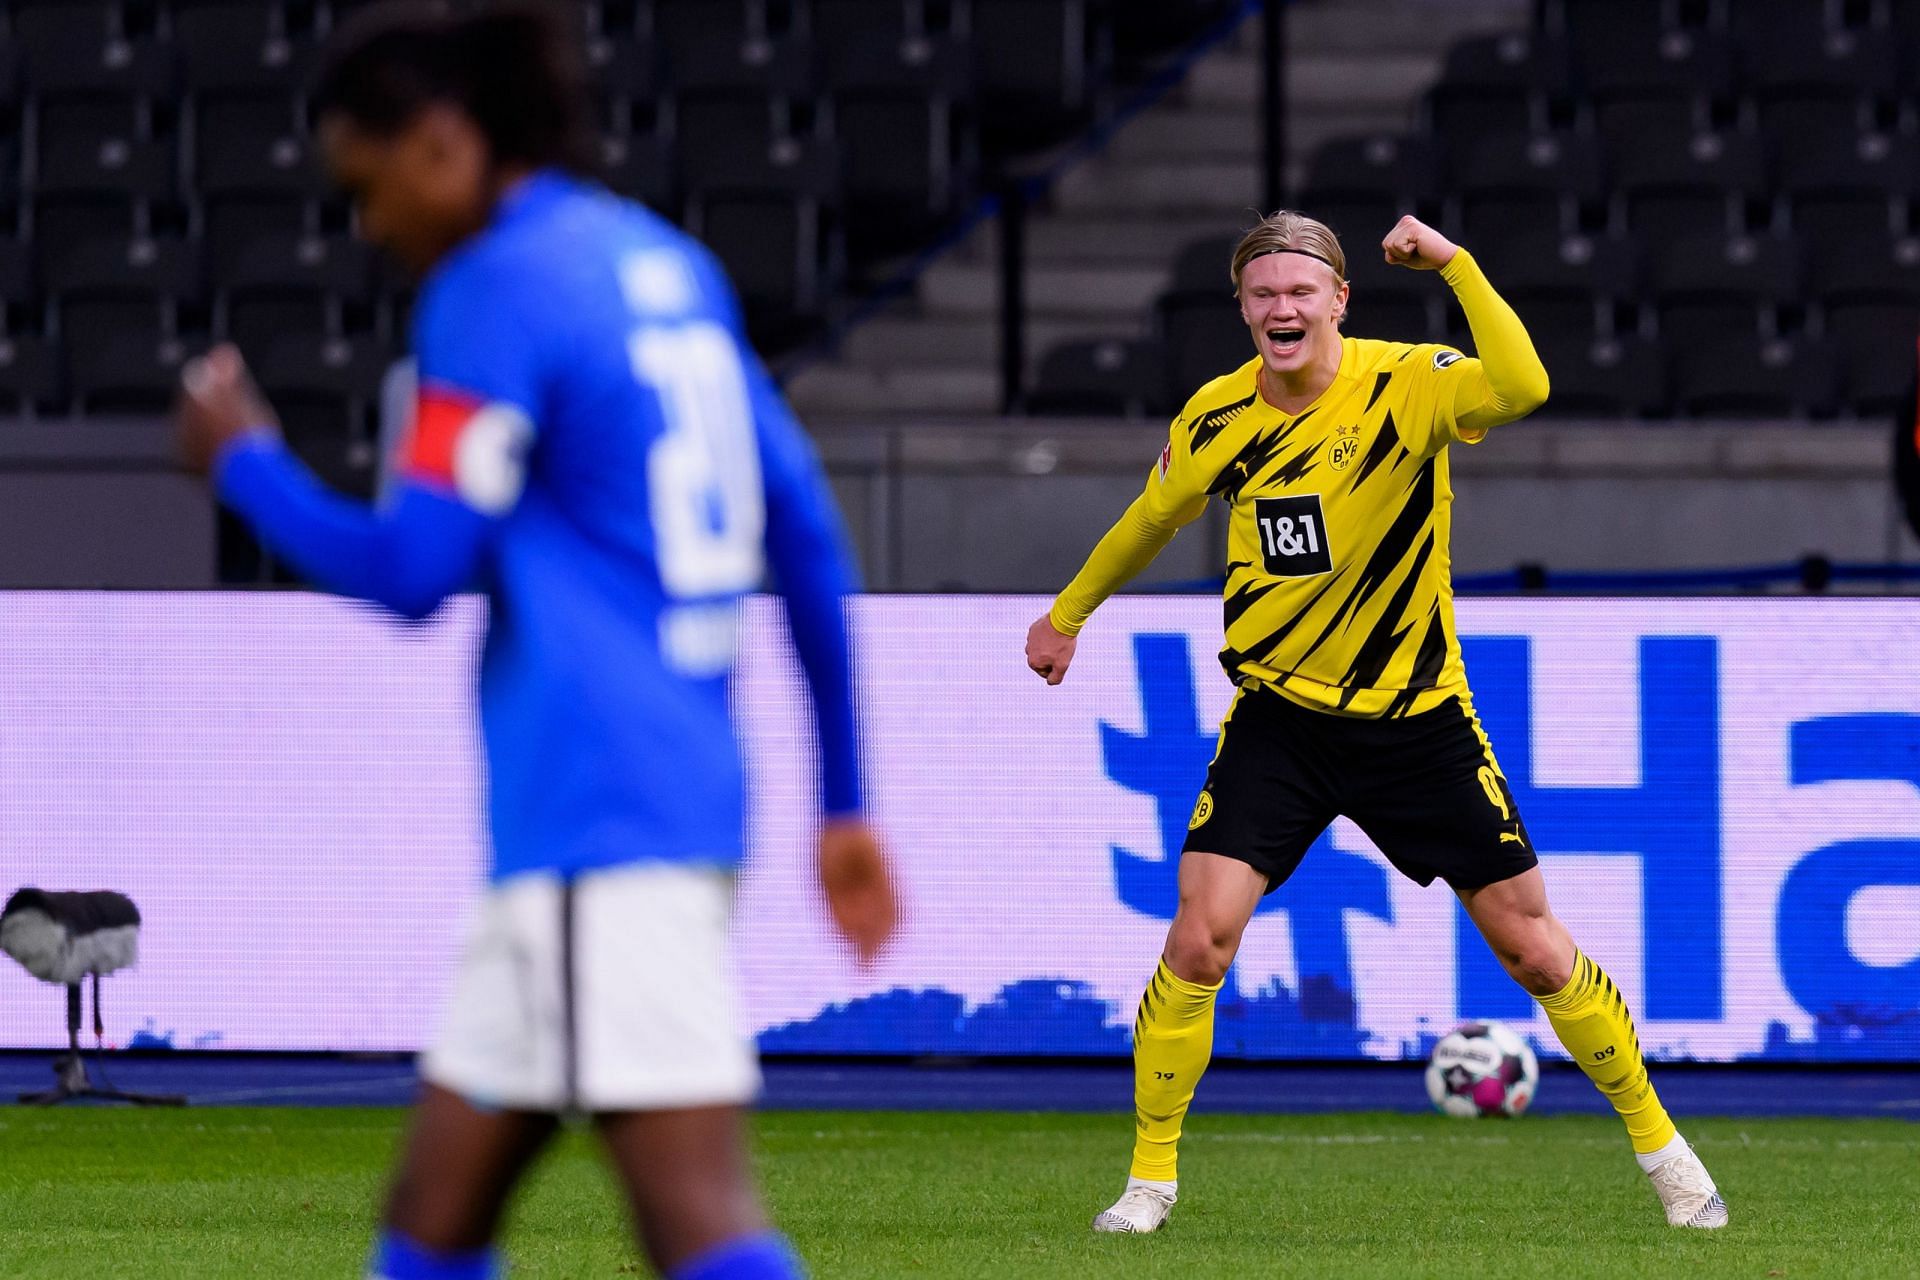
column 1143, row 1206
column 1687, row 1192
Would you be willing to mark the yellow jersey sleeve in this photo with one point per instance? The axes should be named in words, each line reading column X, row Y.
column 1463, row 396
column 1176, row 493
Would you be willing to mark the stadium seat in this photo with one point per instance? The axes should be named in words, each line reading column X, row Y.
column 228, row 221
column 1755, row 378
column 1032, row 69
column 335, row 366
column 1570, row 284
column 1671, row 185
column 1373, row 178
column 1388, row 302
column 30, row 374
column 1798, row 69
column 337, row 264
column 1579, row 20
column 332, row 433
column 117, row 166
column 1876, row 346
column 1626, row 61
column 1842, row 184
column 127, row 372
column 19, row 285
column 833, row 22
column 1497, row 84
column 774, row 249
column 120, row 288
column 250, row 141
column 62, row 223
column 148, row 264
column 254, row 319
column 1709, row 285
column 1515, row 183
column 1200, row 339
column 897, row 112
column 677, row 22
column 642, row 168
column 1104, row 376
column 1612, row 377
column 627, row 83
column 86, row 122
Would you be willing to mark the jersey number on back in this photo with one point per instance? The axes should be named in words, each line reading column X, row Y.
column 703, row 473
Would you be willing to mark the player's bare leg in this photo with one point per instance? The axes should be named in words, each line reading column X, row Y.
column 690, row 1185
column 1590, row 1017
column 458, row 1170
column 1173, row 1035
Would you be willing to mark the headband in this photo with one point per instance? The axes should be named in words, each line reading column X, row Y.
column 1305, row 253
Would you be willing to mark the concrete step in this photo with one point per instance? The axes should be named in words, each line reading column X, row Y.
column 1234, row 133
column 1363, row 80
column 904, row 389
column 1388, row 26
column 971, row 341
column 1162, row 186
column 1073, row 289
column 1077, row 237
column 1190, row 133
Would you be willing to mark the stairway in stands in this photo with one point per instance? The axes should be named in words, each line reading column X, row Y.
column 1100, row 252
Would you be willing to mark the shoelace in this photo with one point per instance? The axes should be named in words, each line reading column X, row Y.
column 1682, row 1175
column 1138, row 1198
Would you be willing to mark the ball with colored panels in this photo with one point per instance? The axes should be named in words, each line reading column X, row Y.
column 1482, row 1069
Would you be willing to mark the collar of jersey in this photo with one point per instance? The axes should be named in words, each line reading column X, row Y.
column 532, row 193
column 1341, row 376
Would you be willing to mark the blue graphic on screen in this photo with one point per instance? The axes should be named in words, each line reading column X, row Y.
column 1860, row 1010
column 1669, row 823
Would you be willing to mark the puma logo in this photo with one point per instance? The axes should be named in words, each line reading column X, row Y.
column 1508, row 835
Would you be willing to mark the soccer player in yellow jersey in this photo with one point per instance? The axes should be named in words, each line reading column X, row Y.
column 1331, row 452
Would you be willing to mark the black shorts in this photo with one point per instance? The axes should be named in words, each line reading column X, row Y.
column 1424, row 788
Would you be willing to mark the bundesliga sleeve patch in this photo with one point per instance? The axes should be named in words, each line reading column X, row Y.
column 474, row 447
column 1166, row 460
column 1443, row 358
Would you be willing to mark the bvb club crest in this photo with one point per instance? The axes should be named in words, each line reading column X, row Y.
column 1345, row 448
column 1202, row 810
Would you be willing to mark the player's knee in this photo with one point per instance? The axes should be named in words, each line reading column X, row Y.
column 1537, row 965
column 1200, row 951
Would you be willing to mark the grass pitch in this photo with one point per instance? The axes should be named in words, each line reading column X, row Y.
column 289, row 1193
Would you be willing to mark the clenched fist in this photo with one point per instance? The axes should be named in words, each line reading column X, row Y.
column 218, row 401
column 1048, row 652
column 1412, row 243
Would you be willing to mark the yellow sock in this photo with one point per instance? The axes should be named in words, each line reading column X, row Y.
column 1591, row 1019
column 1172, row 1042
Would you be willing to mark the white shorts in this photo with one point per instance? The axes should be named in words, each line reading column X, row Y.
column 614, row 993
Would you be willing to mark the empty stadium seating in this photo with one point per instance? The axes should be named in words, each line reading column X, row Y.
column 158, row 190
column 1700, row 208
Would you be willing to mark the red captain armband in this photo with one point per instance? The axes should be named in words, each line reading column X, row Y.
column 474, row 448
column 439, row 416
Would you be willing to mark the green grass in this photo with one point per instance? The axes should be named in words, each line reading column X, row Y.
column 288, row 1193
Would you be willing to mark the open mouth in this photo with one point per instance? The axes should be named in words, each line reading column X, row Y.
column 1286, row 341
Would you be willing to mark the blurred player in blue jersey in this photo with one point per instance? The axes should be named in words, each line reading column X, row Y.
column 596, row 449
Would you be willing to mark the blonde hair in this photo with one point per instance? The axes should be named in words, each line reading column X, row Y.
column 1286, row 230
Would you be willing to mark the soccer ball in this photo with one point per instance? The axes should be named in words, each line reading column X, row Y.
column 1482, row 1069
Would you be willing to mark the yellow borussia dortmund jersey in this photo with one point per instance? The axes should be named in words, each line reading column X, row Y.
column 1337, row 588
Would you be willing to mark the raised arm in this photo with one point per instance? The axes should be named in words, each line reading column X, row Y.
column 1507, row 381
